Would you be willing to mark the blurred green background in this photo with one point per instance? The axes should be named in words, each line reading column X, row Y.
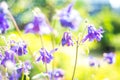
column 97, row 12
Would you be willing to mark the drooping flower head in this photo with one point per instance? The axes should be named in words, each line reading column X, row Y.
column 39, row 25
column 46, row 56
column 19, row 48
column 58, row 74
column 69, row 17
column 67, row 39
column 93, row 34
column 109, row 57
column 3, row 20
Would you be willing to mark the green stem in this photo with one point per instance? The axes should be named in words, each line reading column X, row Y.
column 53, row 46
column 41, row 39
column 27, row 77
column 22, row 76
column 75, row 61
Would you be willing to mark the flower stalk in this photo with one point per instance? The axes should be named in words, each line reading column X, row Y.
column 77, row 46
column 41, row 39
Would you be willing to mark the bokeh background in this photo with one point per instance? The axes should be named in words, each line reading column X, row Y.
column 105, row 13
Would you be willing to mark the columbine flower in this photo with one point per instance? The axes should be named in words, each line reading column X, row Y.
column 9, row 56
column 93, row 34
column 109, row 57
column 67, row 40
column 3, row 22
column 69, row 17
column 56, row 74
column 46, row 56
column 26, row 67
column 20, row 48
column 39, row 25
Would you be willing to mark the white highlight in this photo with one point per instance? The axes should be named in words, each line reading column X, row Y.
column 115, row 3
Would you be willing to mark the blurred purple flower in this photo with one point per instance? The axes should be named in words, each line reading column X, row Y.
column 93, row 62
column 20, row 48
column 93, row 34
column 39, row 25
column 3, row 22
column 109, row 57
column 46, row 56
column 26, row 67
column 66, row 39
column 57, row 74
column 69, row 17
column 9, row 56
column 14, row 76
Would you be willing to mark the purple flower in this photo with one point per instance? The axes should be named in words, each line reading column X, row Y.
column 26, row 67
column 69, row 17
column 9, row 56
column 46, row 56
column 39, row 25
column 3, row 22
column 92, row 61
column 109, row 57
column 20, row 48
column 67, row 40
column 15, row 75
column 57, row 74
column 93, row 34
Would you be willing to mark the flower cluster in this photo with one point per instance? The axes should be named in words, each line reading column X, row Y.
column 9, row 60
column 19, row 48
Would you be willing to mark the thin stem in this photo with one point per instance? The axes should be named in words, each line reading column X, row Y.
column 75, row 61
column 53, row 45
column 41, row 39
column 27, row 77
column 22, row 76
column 46, row 67
column 15, row 24
column 82, row 35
